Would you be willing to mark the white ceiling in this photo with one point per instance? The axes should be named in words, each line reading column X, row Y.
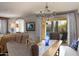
column 11, row 9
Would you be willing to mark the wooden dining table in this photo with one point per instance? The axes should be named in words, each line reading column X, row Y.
column 50, row 50
column 16, row 49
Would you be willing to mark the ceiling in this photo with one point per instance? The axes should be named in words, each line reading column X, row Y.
column 12, row 9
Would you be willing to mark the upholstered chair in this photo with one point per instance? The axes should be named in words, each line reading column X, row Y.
column 3, row 44
column 25, row 37
column 18, row 37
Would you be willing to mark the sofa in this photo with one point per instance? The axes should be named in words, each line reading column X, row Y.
column 17, row 37
column 68, row 51
column 18, row 49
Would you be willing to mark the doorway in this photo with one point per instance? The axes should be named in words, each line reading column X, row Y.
column 57, row 26
column 70, row 16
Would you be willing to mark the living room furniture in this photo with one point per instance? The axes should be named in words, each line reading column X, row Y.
column 17, row 49
column 17, row 37
column 68, row 51
column 53, row 49
column 54, row 36
column 64, row 36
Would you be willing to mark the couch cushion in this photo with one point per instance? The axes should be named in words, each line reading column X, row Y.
column 18, row 49
column 70, row 52
column 67, row 51
column 18, row 37
column 24, row 39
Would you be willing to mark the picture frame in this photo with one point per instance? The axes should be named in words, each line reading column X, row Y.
column 30, row 26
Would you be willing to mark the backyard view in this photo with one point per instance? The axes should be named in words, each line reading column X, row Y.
column 58, row 26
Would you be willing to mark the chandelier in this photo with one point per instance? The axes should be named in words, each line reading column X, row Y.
column 48, row 13
column 46, row 10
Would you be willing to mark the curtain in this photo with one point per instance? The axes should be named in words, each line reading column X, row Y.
column 72, row 28
column 3, row 26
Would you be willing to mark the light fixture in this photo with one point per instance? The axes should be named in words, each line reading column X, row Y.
column 46, row 10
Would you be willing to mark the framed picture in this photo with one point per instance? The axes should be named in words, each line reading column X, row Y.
column 30, row 26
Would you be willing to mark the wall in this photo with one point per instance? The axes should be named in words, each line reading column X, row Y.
column 37, row 33
column 32, row 34
column 39, row 21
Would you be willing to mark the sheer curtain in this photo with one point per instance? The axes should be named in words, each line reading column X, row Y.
column 72, row 28
column 3, row 26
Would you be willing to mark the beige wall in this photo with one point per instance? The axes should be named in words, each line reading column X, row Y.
column 34, row 34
